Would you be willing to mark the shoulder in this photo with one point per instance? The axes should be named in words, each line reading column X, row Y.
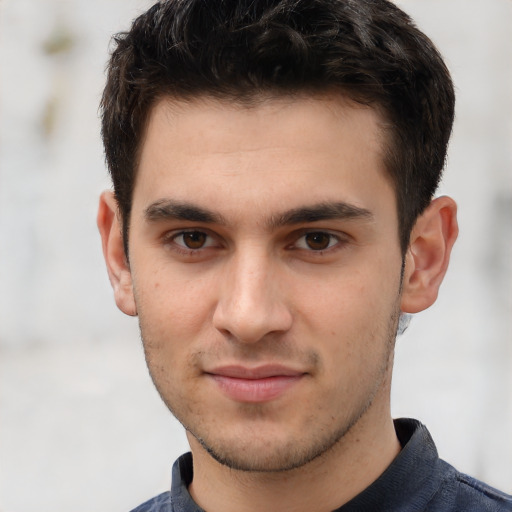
column 471, row 490
column 160, row 503
column 463, row 493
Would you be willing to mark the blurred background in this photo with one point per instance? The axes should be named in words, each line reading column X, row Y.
column 81, row 427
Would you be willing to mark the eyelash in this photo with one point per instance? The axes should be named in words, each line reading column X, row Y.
column 337, row 239
column 335, row 243
column 169, row 240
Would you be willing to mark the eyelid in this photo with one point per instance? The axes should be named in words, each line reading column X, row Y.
column 169, row 240
column 214, row 240
column 340, row 240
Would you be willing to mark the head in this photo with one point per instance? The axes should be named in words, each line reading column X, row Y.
column 274, row 164
column 365, row 50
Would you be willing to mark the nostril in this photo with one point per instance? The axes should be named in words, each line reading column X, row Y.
column 252, row 324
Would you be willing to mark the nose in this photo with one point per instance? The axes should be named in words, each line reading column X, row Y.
column 251, row 304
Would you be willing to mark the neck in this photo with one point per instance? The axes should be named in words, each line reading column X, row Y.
column 324, row 484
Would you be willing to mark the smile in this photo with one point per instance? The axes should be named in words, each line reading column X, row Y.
column 255, row 385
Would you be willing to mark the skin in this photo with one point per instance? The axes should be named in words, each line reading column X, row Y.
column 266, row 271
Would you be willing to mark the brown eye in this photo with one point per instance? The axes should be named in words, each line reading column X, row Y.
column 194, row 239
column 318, row 241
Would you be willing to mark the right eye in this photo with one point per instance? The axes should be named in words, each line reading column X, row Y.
column 192, row 240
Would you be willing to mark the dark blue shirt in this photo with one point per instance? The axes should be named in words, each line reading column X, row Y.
column 416, row 481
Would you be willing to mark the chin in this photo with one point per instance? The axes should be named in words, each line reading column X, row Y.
column 270, row 454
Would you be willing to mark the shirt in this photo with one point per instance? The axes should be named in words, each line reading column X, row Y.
column 416, row 481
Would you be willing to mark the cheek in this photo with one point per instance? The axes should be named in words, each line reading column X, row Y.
column 170, row 321
column 175, row 304
column 172, row 310
column 349, row 317
column 343, row 302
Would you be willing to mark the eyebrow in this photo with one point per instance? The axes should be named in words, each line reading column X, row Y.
column 322, row 211
column 168, row 209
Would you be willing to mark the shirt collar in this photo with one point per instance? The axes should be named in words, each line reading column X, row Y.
column 411, row 480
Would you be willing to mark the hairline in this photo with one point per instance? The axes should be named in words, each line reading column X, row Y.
column 252, row 100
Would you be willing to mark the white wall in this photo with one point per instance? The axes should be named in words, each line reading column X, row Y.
column 80, row 426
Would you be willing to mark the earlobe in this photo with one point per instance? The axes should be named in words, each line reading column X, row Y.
column 427, row 258
column 109, row 225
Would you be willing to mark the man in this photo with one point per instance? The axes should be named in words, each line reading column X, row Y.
column 274, row 166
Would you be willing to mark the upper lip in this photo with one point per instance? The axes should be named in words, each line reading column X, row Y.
column 258, row 372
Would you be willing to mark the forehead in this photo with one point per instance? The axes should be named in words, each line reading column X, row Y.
column 269, row 151
column 323, row 115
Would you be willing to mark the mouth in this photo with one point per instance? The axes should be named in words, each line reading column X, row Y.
column 255, row 385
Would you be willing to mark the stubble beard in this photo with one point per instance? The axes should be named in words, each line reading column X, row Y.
column 291, row 456
column 239, row 454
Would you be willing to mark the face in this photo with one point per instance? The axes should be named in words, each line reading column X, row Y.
column 265, row 269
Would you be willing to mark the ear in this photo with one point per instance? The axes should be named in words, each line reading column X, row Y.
column 427, row 258
column 109, row 224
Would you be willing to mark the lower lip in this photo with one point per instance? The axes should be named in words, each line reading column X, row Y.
column 255, row 390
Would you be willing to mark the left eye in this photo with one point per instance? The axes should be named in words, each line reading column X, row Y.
column 316, row 241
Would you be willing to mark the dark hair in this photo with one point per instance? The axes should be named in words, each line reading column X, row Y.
column 369, row 50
